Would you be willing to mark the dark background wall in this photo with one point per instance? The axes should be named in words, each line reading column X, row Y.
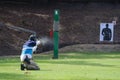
column 79, row 23
column 39, row 1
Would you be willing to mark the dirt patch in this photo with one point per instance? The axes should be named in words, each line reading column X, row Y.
column 91, row 48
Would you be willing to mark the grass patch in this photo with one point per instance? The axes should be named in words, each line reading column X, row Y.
column 69, row 66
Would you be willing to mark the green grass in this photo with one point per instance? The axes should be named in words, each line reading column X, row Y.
column 69, row 66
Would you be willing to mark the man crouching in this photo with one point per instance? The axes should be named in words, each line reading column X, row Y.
column 27, row 52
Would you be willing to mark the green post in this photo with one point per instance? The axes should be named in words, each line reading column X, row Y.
column 56, row 33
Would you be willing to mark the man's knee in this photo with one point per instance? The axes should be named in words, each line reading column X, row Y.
column 32, row 66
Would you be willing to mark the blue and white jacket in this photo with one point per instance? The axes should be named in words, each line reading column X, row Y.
column 28, row 47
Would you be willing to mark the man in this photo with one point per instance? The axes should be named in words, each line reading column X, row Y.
column 107, row 33
column 27, row 52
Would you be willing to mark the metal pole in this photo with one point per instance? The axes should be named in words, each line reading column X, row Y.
column 56, row 33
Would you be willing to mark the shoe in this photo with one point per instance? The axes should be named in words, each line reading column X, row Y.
column 22, row 67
